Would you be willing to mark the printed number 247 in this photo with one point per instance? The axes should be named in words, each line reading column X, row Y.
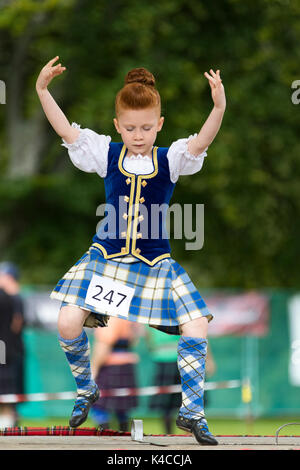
column 109, row 296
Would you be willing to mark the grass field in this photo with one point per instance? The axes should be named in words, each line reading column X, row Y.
column 218, row 426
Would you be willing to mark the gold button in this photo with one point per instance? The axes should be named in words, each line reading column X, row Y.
column 144, row 183
column 139, row 235
column 142, row 199
column 126, row 198
column 137, row 251
column 128, row 181
column 123, row 234
column 125, row 216
column 141, row 217
column 123, row 249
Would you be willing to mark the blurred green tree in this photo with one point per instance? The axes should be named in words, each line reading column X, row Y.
column 248, row 184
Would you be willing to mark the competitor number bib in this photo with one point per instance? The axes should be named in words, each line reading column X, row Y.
column 108, row 296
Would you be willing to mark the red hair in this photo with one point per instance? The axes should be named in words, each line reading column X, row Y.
column 139, row 91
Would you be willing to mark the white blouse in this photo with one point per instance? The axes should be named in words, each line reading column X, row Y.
column 90, row 151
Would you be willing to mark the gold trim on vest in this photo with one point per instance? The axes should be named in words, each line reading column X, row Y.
column 136, row 181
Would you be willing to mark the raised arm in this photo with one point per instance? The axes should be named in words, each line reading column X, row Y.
column 54, row 114
column 213, row 123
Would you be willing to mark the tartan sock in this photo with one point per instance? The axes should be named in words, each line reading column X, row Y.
column 77, row 352
column 191, row 366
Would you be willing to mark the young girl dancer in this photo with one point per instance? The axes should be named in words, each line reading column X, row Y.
column 125, row 272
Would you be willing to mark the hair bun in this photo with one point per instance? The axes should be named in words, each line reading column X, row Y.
column 140, row 75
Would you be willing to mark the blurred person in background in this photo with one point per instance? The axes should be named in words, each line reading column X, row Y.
column 163, row 350
column 11, row 329
column 113, row 366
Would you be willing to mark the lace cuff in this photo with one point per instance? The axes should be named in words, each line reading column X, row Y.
column 77, row 142
column 190, row 156
column 89, row 151
column 181, row 161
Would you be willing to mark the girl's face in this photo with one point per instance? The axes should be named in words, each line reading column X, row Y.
column 138, row 129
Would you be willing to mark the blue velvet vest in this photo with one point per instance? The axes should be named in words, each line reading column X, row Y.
column 136, row 208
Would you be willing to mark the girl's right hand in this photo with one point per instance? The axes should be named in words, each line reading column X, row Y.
column 48, row 72
column 217, row 89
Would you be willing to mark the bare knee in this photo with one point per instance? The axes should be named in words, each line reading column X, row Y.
column 195, row 328
column 70, row 321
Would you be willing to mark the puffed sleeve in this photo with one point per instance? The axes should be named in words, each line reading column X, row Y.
column 89, row 151
column 181, row 161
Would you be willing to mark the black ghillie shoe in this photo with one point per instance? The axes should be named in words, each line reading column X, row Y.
column 199, row 428
column 82, row 407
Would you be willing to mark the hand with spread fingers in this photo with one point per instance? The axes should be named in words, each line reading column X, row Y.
column 210, row 128
column 217, row 88
column 48, row 72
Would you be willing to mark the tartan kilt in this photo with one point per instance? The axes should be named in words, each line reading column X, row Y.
column 166, row 374
column 8, row 379
column 116, row 376
column 164, row 295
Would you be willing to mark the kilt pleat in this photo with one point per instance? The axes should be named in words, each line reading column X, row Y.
column 166, row 374
column 112, row 377
column 8, row 379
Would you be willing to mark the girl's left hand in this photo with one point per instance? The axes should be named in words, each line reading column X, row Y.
column 217, row 88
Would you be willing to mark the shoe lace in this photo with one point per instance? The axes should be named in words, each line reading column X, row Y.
column 202, row 424
column 82, row 401
column 80, row 404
